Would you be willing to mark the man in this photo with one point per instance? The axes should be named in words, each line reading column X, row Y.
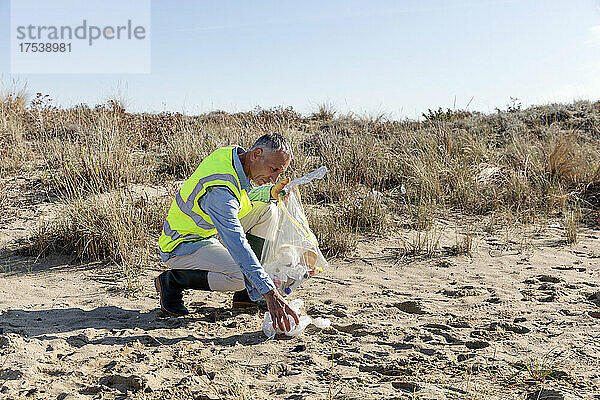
column 218, row 198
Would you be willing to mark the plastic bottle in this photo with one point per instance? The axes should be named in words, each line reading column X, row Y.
column 319, row 173
column 290, row 277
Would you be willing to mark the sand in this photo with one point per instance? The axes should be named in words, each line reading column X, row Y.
column 509, row 321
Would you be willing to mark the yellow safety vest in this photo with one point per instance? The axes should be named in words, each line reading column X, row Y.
column 186, row 221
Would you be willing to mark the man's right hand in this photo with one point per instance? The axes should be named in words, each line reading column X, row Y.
column 280, row 310
column 277, row 188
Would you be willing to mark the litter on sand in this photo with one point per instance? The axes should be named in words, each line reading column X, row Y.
column 295, row 330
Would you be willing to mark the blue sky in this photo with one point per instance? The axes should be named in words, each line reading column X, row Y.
column 370, row 57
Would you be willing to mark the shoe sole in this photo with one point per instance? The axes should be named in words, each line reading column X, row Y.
column 160, row 296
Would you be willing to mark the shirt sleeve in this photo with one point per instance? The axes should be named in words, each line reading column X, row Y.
column 223, row 207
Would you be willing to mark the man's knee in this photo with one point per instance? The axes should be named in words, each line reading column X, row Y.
column 268, row 218
column 237, row 281
column 239, row 287
column 226, row 281
column 270, row 213
column 273, row 209
column 263, row 221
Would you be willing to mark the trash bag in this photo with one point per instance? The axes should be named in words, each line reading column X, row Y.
column 291, row 255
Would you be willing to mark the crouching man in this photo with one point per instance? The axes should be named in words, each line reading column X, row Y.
column 219, row 199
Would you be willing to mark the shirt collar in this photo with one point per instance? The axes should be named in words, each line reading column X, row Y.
column 239, row 169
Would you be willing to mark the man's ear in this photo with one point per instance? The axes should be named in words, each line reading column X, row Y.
column 256, row 154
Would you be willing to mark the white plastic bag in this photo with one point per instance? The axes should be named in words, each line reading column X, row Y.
column 291, row 255
column 319, row 173
column 322, row 323
column 295, row 330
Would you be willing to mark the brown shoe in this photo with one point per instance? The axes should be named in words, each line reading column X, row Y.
column 242, row 300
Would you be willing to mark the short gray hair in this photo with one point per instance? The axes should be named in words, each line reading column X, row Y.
column 275, row 142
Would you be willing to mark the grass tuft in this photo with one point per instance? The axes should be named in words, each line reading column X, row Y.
column 561, row 160
column 118, row 227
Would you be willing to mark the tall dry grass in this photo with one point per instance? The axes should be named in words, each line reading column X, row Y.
column 537, row 161
column 118, row 226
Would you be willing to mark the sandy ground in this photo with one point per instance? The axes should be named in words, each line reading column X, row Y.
column 507, row 322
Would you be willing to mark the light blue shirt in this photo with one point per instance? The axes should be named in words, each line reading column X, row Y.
column 223, row 208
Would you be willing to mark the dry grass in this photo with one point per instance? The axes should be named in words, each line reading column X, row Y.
column 464, row 241
column 562, row 163
column 537, row 161
column 120, row 227
column 335, row 237
column 366, row 214
column 550, row 367
column 13, row 94
column 325, row 112
column 571, row 224
column 421, row 243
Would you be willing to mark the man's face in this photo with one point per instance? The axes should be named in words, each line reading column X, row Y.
column 266, row 165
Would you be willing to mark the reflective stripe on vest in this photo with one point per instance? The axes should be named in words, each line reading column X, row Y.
column 186, row 221
column 187, row 206
column 174, row 235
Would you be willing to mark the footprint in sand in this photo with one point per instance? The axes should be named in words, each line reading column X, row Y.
column 594, row 314
column 514, row 328
column 483, row 334
column 410, row 307
column 458, row 322
column 78, row 340
column 477, row 344
column 442, row 331
column 328, row 310
column 394, row 368
column 465, row 356
column 123, row 384
column 409, row 387
column 355, row 329
column 463, row 291
column 545, row 394
column 548, row 278
column 4, row 342
column 594, row 298
column 545, row 292
column 9, row 374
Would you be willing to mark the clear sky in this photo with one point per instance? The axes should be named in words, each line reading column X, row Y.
column 396, row 57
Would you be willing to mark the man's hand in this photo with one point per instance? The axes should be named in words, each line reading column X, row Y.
column 280, row 310
column 277, row 188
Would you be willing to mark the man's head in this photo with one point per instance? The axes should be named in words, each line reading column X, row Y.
column 268, row 158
